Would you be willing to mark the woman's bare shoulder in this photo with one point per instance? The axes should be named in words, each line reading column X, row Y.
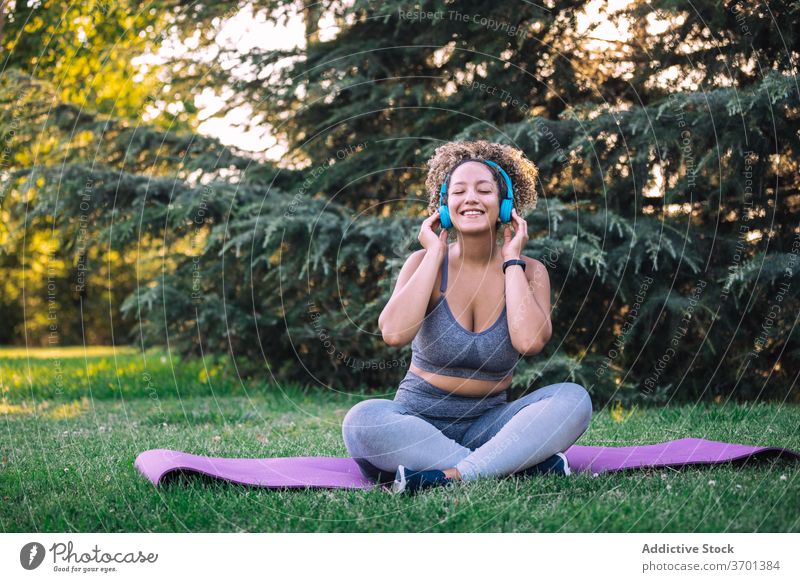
column 414, row 259
column 533, row 263
column 534, row 267
column 410, row 266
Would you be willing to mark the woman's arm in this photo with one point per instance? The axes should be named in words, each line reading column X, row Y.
column 404, row 313
column 528, row 306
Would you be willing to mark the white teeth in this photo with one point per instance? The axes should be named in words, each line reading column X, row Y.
column 471, row 212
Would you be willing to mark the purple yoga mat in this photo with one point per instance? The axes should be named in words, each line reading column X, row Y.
column 338, row 472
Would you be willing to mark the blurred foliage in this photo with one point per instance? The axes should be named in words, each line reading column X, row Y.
column 669, row 158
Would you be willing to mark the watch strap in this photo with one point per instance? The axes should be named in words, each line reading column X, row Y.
column 510, row 262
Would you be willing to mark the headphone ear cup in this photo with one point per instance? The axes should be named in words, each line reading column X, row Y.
column 444, row 217
column 506, row 206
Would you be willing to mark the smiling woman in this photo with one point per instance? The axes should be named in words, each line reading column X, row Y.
column 466, row 346
column 521, row 171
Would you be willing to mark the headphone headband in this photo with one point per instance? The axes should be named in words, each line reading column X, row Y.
column 509, row 193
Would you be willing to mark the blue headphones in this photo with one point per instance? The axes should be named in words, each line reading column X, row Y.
column 506, row 205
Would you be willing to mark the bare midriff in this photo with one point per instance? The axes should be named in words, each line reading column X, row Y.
column 463, row 386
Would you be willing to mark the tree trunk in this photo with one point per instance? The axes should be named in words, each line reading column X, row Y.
column 311, row 15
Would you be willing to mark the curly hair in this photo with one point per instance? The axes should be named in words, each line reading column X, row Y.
column 521, row 170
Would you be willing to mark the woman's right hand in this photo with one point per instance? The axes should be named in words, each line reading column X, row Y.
column 429, row 240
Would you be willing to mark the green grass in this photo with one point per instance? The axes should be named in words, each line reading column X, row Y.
column 105, row 372
column 67, row 462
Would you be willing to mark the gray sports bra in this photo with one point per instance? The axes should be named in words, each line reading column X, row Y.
column 443, row 346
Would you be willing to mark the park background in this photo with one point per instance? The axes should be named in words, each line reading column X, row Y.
column 205, row 207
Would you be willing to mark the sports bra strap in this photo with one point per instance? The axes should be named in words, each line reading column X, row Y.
column 443, row 286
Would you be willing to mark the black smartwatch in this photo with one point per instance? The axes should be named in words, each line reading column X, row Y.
column 510, row 262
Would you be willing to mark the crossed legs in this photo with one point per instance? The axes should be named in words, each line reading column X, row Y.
column 383, row 434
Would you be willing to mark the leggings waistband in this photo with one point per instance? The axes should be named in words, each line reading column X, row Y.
column 425, row 399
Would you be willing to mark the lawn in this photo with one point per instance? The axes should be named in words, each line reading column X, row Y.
column 74, row 421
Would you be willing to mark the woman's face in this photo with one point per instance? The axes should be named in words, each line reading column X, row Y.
column 471, row 187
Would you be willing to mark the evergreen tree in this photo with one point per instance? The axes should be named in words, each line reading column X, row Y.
column 667, row 214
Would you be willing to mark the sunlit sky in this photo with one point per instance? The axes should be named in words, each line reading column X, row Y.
column 246, row 31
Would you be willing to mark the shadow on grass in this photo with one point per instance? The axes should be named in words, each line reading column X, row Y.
column 182, row 478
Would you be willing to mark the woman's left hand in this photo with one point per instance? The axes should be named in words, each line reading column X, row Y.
column 512, row 247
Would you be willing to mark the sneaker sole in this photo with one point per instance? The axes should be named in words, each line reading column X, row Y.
column 399, row 486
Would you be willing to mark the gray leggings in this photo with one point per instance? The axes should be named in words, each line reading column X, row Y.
column 425, row 427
